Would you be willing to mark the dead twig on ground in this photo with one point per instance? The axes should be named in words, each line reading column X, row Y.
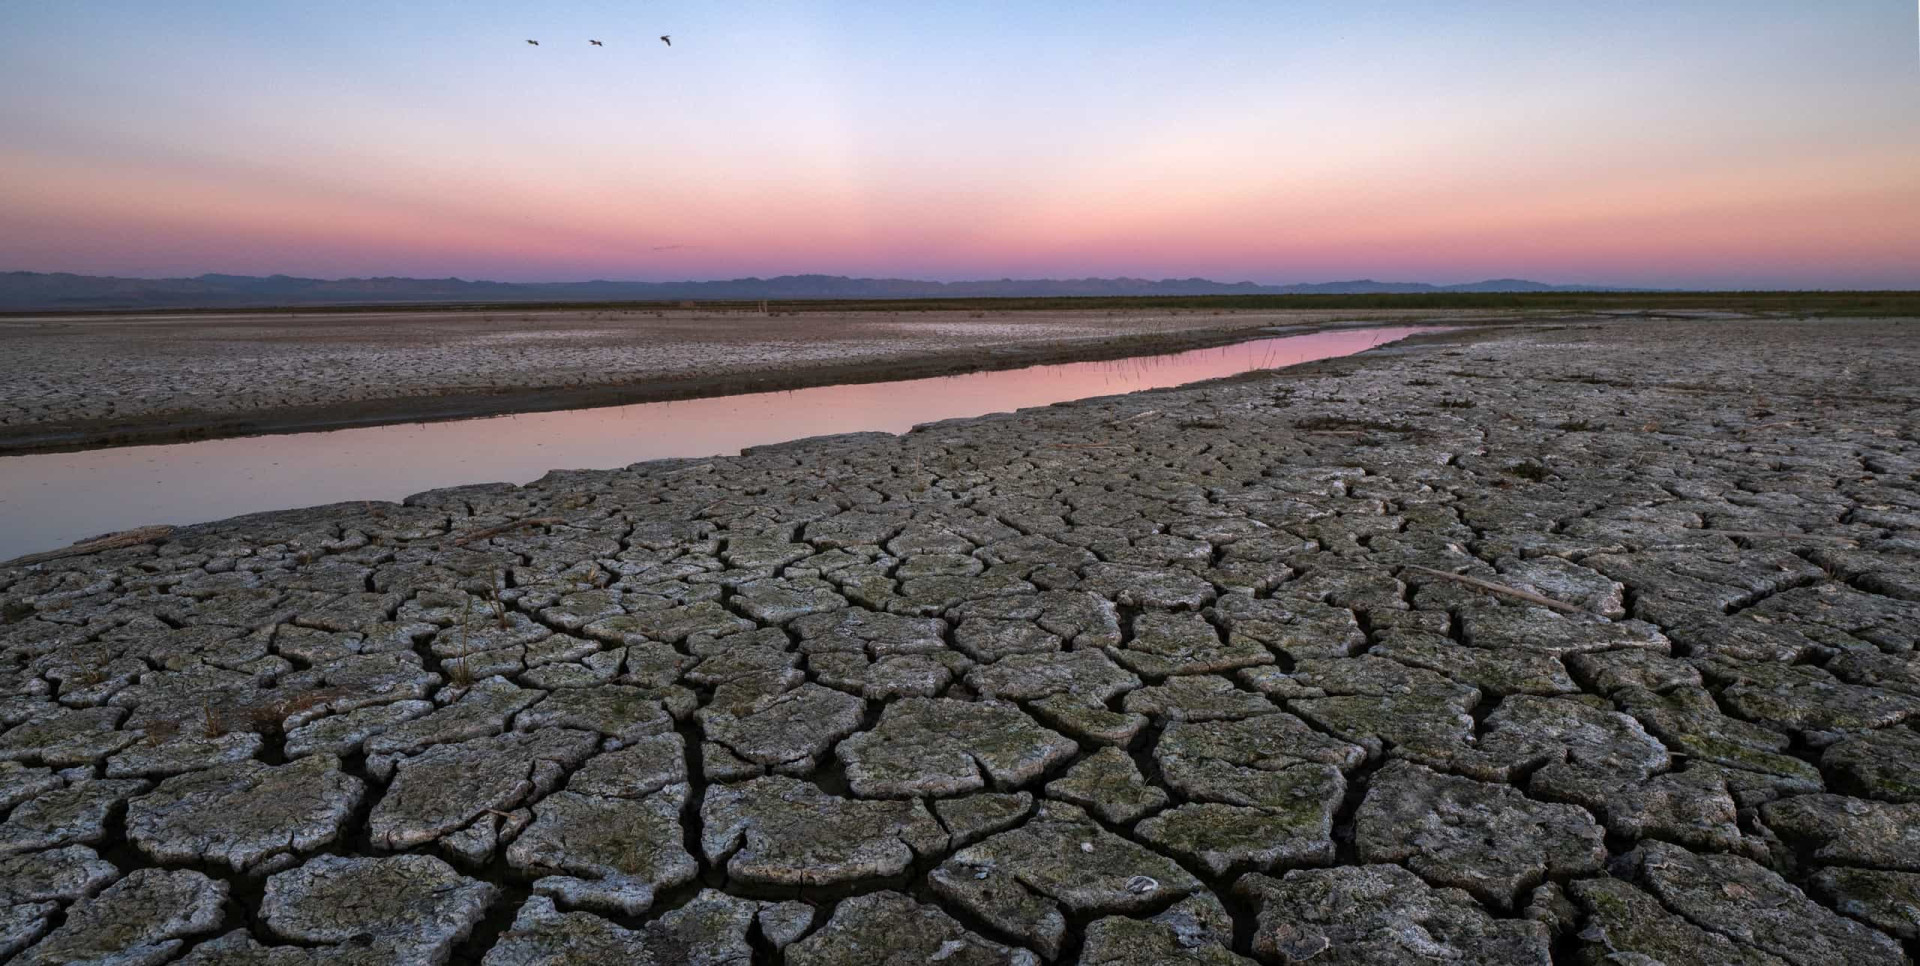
column 1493, row 588
column 111, row 541
column 469, row 536
column 1779, row 534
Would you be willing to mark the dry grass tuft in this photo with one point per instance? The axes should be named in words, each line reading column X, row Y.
column 1530, row 470
column 458, row 673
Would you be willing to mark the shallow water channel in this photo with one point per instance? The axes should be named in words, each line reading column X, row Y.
column 52, row 499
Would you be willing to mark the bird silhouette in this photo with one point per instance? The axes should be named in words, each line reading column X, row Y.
column 666, row 40
column 536, row 43
column 596, row 43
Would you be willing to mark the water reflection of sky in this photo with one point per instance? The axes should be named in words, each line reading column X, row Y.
column 49, row 500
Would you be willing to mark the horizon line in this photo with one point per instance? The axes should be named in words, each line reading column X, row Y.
column 1356, row 280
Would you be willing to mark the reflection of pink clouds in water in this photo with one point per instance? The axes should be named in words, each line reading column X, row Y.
column 51, row 499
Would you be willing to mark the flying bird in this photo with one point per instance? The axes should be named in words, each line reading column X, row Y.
column 596, row 43
column 666, row 40
column 536, row 43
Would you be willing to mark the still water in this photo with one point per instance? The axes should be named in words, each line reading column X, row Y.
column 50, row 500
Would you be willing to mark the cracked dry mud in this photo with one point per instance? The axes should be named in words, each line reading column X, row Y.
column 1165, row 678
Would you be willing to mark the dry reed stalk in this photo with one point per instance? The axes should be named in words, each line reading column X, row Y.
column 1493, row 588
column 469, row 536
column 112, row 541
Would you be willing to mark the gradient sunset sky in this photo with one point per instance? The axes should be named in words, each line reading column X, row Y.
column 1681, row 143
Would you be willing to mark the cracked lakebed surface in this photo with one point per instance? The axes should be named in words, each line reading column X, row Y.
column 1174, row 677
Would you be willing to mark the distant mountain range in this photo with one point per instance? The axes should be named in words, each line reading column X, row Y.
column 60, row 290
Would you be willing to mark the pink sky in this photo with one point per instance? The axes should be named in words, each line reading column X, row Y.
column 1730, row 145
